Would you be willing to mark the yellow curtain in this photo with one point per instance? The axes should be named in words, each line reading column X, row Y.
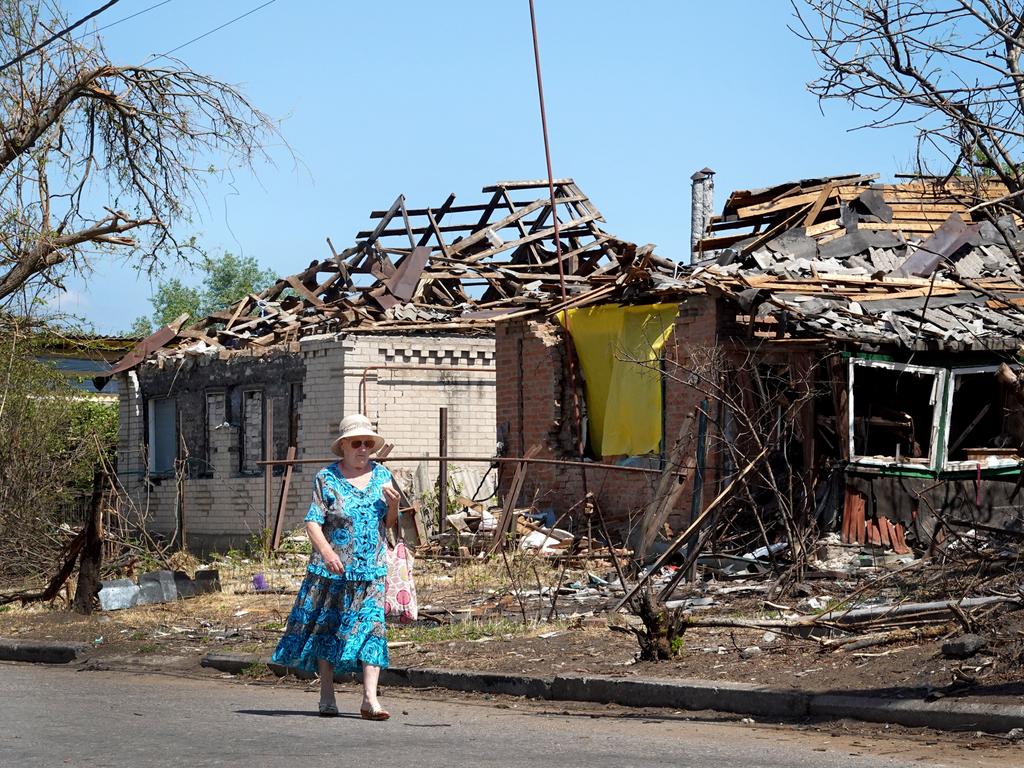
column 618, row 349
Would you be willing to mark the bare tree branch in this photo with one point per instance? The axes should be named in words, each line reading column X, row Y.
column 79, row 133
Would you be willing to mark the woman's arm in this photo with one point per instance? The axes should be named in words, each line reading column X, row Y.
column 321, row 545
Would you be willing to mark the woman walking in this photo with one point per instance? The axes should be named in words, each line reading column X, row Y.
column 337, row 622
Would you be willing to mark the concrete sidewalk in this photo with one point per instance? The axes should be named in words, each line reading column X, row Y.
column 961, row 714
column 736, row 698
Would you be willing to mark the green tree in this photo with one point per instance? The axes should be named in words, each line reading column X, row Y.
column 225, row 281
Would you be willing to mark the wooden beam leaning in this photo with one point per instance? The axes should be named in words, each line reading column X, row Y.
column 694, row 525
column 670, row 487
column 275, row 541
column 508, row 508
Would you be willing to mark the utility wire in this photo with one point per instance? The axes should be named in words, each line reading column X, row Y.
column 60, row 34
column 215, row 29
column 126, row 18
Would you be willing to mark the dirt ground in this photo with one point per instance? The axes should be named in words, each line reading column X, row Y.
column 473, row 618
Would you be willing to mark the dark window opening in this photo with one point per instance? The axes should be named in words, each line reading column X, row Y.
column 893, row 413
column 985, row 418
column 163, row 435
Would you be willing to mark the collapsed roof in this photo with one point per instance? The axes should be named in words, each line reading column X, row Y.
column 444, row 267
column 925, row 265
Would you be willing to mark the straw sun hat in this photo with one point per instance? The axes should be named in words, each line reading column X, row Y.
column 356, row 425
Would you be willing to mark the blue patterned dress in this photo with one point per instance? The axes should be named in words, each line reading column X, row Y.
column 341, row 618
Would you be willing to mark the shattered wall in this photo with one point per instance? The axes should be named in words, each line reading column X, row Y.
column 535, row 407
column 219, row 487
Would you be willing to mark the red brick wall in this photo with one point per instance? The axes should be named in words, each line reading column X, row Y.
column 534, row 408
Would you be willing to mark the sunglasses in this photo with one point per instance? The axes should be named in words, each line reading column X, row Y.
column 357, row 444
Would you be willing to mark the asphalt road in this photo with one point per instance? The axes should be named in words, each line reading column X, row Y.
column 61, row 716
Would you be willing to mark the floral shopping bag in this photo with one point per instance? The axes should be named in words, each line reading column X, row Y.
column 399, row 590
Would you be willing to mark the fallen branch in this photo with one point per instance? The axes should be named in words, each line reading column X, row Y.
column 885, row 638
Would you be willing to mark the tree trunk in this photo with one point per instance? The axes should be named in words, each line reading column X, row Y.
column 92, row 553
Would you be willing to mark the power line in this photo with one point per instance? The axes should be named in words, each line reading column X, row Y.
column 60, row 34
column 215, row 29
column 126, row 18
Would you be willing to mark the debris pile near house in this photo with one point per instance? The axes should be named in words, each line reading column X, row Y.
column 430, row 268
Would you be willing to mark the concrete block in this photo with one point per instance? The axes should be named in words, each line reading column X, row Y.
column 117, row 594
column 150, row 592
column 165, row 579
column 41, row 651
column 185, row 586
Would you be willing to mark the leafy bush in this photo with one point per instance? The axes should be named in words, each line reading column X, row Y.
column 53, row 439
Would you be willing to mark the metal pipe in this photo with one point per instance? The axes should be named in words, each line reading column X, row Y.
column 490, row 460
column 442, row 444
column 405, row 367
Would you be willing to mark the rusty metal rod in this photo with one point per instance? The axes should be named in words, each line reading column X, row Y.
column 487, row 459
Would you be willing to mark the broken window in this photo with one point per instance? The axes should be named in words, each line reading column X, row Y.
column 252, row 431
column 985, row 423
column 163, row 435
column 893, row 412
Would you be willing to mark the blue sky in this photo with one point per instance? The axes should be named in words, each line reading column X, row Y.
column 377, row 99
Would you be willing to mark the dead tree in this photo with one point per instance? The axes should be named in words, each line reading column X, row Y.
column 90, row 560
column 759, row 407
column 950, row 68
column 74, row 122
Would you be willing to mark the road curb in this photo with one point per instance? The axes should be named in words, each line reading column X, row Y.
column 695, row 695
column 41, row 651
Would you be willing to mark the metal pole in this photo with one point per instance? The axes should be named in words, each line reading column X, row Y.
column 442, row 444
column 268, row 469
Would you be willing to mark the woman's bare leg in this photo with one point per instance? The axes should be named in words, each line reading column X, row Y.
column 371, row 675
column 326, row 681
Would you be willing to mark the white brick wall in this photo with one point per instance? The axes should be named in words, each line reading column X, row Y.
column 342, row 372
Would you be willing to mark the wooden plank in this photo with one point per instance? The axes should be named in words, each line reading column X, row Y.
column 385, row 220
column 768, row 234
column 481, row 234
column 283, row 502
column 694, row 525
column 307, row 294
column 670, row 487
column 824, row 195
column 511, row 244
column 526, row 184
column 508, row 508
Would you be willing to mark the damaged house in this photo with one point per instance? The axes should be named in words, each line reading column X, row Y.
column 858, row 342
column 398, row 326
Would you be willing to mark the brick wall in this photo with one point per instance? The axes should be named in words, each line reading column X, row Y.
column 402, row 382
column 535, row 407
column 336, row 374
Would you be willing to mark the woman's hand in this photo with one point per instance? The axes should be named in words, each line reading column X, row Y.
column 331, row 560
column 391, row 498
column 333, row 563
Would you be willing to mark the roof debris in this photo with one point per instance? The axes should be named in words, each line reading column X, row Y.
column 446, row 267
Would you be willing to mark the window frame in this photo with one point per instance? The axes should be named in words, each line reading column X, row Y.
column 991, row 462
column 936, row 453
column 152, row 439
